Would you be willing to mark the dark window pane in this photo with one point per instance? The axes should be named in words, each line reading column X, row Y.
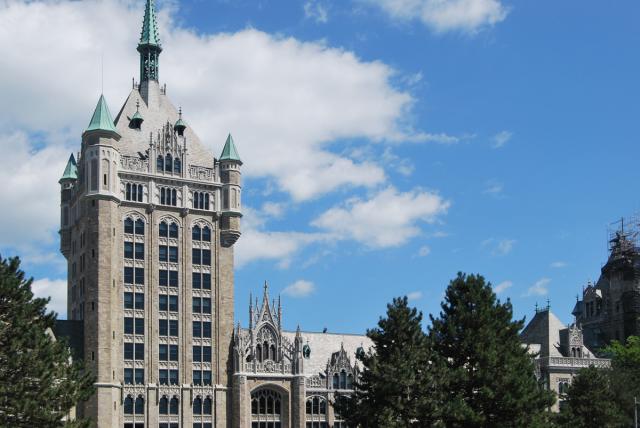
column 140, row 276
column 139, row 376
column 197, row 354
column 128, row 406
column 139, row 222
column 168, row 163
column 196, row 280
column 139, row 406
column 128, row 325
column 196, row 305
column 163, row 229
column 163, row 354
column 163, row 302
column 206, row 234
column 197, row 329
column 173, row 303
column 139, row 348
column 162, row 253
column 164, row 327
column 128, row 376
column 128, row 351
column 139, row 251
column 173, row 352
column 128, row 250
column 173, row 377
column 206, row 281
column 206, row 305
column 173, row 229
column 160, row 164
column 197, row 377
column 195, row 232
column 177, row 166
column 173, row 328
column 128, row 225
column 195, row 255
column 128, row 300
column 128, row 275
column 207, row 405
column 206, row 257
column 163, row 278
column 164, row 380
column 139, row 301
column 206, row 377
column 206, row 353
column 139, row 325
column 197, row 406
column 206, row 329
column 173, row 254
column 173, row 278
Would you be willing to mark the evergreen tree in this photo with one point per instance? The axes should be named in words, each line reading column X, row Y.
column 489, row 374
column 38, row 382
column 625, row 373
column 390, row 391
column 591, row 402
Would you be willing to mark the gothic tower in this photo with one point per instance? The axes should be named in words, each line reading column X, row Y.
column 148, row 222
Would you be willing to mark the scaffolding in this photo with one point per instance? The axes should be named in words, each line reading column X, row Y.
column 623, row 236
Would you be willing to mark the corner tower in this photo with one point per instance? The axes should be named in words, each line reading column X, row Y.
column 149, row 219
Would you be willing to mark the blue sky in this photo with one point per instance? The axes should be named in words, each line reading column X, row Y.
column 387, row 145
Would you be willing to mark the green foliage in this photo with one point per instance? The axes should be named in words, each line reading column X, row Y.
column 591, row 402
column 38, row 383
column 394, row 388
column 625, row 373
column 489, row 374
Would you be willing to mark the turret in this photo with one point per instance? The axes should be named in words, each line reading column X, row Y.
column 229, row 165
column 100, row 157
column 149, row 48
column 67, row 187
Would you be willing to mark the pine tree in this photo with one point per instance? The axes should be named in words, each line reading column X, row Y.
column 591, row 402
column 625, row 373
column 489, row 374
column 38, row 382
column 390, row 391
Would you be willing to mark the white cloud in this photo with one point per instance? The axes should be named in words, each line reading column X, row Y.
column 501, row 138
column 558, row 264
column 424, row 251
column 414, row 295
column 390, row 218
column 317, row 11
column 502, row 287
column 273, row 209
column 499, row 247
column 54, row 288
column 300, row 288
column 467, row 16
column 539, row 288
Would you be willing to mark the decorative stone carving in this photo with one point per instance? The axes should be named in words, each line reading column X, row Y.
column 133, row 163
column 200, row 173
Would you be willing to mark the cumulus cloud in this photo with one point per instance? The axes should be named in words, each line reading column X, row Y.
column 300, row 288
column 539, row 288
column 57, row 290
column 414, row 295
column 468, row 16
column 390, row 218
column 501, row 138
column 502, row 287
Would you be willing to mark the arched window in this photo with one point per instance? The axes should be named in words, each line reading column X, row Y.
column 201, row 202
column 168, row 163
column 196, row 233
column 160, row 164
column 163, row 230
column 174, row 200
column 266, row 406
column 134, row 192
column 349, row 381
column 164, row 406
column 343, row 380
column 173, row 230
column 139, row 405
column 173, row 406
column 259, row 352
column 197, row 406
column 206, row 234
column 128, row 225
column 207, row 406
column 336, row 381
column 163, row 196
column 272, row 353
column 128, row 191
column 128, row 405
column 206, row 201
column 139, row 192
column 139, row 227
column 177, row 166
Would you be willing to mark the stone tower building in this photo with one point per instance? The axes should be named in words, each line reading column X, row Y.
column 148, row 222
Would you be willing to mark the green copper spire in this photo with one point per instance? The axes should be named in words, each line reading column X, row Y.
column 71, row 170
column 149, row 45
column 101, row 119
column 149, row 34
column 229, row 152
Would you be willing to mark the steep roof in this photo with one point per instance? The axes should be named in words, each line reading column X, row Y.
column 71, row 170
column 229, row 152
column 149, row 34
column 544, row 329
column 101, row 119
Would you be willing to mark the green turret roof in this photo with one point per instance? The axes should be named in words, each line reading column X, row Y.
column 149, row 34
column 101, row 119
column 229, row 152
column 71, row 170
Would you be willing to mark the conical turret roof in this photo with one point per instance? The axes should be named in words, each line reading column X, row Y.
column 71, row 170
column 229, row 152
column 149, row 34
column 101, row 119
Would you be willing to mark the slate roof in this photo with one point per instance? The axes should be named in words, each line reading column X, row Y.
column 71, row 170
column 544, row 329
column 229, row 152
column 101, row 119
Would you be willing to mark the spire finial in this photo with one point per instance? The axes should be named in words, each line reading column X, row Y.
column 149, row 45
column 536, row 307
column 137, row 105
column 548, row 304
column 180, row 112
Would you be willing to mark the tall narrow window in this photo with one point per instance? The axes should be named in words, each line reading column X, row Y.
column 160, row 164
column 168, row 163
column 177, row 165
